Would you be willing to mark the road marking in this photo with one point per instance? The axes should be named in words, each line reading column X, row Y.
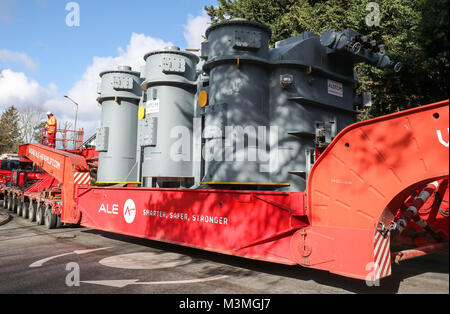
column 146, row 260
column 128, row 282
column 41, row 262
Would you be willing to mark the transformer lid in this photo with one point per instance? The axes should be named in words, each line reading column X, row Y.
column 122, row 69
column 239, row 21
column 174, row 50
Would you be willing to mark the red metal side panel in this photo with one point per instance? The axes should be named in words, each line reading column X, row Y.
column 251, row 224
column 62, row 166
column 362, row 179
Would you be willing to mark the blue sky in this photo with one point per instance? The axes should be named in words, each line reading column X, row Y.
column 38, row 28
column 53, row 59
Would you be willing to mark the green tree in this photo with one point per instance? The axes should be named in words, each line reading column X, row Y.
column 414, row 32
column 37, row 132
column 9, row 130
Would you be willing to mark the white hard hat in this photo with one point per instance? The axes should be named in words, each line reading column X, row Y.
column 49, row 113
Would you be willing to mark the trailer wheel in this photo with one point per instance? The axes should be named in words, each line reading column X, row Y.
column 10, row 202
column 5, row 202
column 50, row 219
column 40, row 213
column 25, row 210
column 32, row 211
column 19, row 207
column 59, row 223
column 14, row 205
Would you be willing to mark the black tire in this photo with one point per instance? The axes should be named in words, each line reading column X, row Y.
column 50, row 219
column 32, row 211
column 19, row 207
column 5, row 202
column 59, row 223
column 40, row 214
column 25, row 210
column 14, row 205
column 9, row 202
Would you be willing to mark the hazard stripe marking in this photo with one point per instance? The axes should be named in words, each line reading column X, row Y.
column 382, row 254
column 83, row 178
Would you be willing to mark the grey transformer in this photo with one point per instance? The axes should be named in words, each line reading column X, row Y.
column 165, row 121
column 252, row 119
column 269, row 109
column 120, row 92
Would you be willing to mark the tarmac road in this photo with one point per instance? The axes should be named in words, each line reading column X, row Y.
column 34, row 260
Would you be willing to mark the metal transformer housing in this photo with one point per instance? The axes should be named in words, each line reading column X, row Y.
column 318, row 95
column 120, row 92
column 277, row 101
column 165, row 127
column 238, row 101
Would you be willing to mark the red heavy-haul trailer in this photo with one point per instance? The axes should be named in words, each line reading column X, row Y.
column 380, row 182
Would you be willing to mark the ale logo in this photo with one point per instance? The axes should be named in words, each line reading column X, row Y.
column 129, row 211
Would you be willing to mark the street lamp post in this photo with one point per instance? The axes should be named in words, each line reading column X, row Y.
column 76, row 114
column 76, row 117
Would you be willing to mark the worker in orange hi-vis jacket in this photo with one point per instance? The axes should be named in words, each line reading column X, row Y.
column 51, row 130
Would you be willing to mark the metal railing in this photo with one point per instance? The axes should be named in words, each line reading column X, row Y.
column 65, row 139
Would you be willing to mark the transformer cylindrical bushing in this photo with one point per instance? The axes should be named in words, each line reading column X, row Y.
column 238, row 37
column 238, row 109
column 165, row 121
column 120, row 92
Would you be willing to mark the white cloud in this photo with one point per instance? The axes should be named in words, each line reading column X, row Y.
column 18, row 89
column 194, row 32
column 8, row 56
column 195, row 29
column 84, row 91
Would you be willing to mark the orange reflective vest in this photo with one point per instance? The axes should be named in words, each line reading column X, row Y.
column 51, row 125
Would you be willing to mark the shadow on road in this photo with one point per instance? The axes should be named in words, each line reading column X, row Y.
column 435, row 263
